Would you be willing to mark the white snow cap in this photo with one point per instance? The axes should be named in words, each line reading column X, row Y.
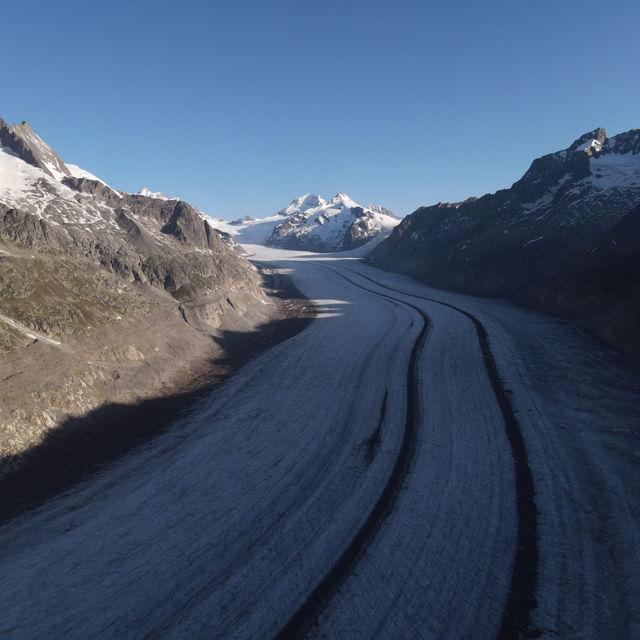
column 79, row 172
column 594, row 144
column 303, row 203
column 154, row 194
column 344, row 200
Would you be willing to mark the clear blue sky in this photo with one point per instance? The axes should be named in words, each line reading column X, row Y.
column 239, row 106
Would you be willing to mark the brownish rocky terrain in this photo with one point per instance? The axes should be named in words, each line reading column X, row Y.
column 107, row 297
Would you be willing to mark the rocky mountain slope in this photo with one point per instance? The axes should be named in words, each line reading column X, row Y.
column 104, row 295
column 600, row 287
column 311, row 223
column 556, row 232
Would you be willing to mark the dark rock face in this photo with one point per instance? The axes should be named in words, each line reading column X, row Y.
column 361, row 231
column 240, row 221
column 383, row 210
column 537, row 240
column 167, row 244
column 22, row 140
column 93, row 187
column 600, row 287
column 30, row 231
column 185, row 225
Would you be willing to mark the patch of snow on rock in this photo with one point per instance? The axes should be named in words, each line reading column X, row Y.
column 154, row 194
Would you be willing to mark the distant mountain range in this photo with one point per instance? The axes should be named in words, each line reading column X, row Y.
column 311, row 223
column 565, row 238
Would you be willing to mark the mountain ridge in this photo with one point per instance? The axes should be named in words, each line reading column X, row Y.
column 514, row 243
column 27, row 145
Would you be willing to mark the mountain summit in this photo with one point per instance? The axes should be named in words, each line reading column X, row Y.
column 311, row 223
column 302, row 203
column 27, row 145
column 589, row 142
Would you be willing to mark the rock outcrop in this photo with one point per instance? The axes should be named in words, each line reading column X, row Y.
column 28, row 146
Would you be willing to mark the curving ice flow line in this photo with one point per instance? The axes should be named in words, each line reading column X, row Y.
column 521, row 601
column 305, row 615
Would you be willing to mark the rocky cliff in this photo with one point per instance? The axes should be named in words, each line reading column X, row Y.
column 599, row 287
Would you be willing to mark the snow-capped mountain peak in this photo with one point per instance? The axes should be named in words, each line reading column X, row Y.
column 342, row 199
column 337, row 225
column 302, row 203
column 590, row 141
column 312, row 223
column 28, row 146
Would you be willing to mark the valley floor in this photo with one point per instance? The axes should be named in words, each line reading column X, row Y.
column 414, row 464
